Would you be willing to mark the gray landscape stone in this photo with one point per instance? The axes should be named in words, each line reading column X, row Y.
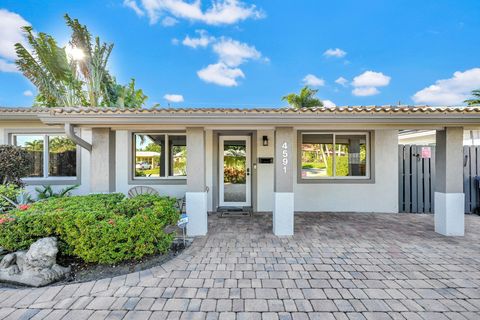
column 36, row 267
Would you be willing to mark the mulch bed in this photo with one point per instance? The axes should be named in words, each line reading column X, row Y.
column 83, row 272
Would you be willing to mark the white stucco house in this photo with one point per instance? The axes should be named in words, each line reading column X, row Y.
column 342, row 159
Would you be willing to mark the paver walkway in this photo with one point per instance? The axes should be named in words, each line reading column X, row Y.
column 337, row 266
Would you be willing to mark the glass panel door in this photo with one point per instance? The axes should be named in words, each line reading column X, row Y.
column 235, row 171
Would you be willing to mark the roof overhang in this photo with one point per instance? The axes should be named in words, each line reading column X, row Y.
column 389, row 116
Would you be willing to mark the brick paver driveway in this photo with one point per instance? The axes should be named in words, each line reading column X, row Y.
column 337, row 266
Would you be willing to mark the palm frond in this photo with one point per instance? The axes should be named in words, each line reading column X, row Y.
column 476, row 98
column 306, row 99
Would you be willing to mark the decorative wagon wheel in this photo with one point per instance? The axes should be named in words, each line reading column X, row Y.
column 135, row 191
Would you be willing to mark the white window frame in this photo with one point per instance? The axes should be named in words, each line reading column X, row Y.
column 46, row 157
column 334, row 134
column 167, row 153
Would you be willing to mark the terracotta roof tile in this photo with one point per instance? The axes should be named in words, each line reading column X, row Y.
column 316, row 110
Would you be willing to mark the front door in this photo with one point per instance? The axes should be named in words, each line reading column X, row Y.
column 235, row 175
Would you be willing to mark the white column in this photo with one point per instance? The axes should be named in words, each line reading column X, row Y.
column 123, row 169
column 283, row 207
column 86, row 134
column 102, row 161
column 196, row 195
column 449, row 196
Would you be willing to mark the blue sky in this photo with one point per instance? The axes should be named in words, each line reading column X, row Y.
column 249, row 54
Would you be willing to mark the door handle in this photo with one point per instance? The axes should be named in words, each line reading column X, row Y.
column 248, row 171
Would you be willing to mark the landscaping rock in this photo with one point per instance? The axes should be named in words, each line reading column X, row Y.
column 36, row 267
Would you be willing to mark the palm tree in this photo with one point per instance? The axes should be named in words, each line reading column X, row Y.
column 34, row 145
column 61, row 144
column 48, row 68
column 75, row 75
column 306, row 99
column 476, row 98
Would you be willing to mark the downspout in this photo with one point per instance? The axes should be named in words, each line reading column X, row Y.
column 70, row 132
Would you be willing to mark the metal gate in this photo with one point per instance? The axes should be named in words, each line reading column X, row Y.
column 471, row 169
column 417, row 178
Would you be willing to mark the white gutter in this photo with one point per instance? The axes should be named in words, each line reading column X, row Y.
column 70, row 132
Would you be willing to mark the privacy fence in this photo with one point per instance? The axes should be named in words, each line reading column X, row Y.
column 417, row 178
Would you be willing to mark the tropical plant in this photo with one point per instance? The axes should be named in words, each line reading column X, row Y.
column 476, row 98
column 34, row 145
column 61, row 144
column 306, row 99
column 46, row 192
column 75, row 75
column 8, row 192
column 19, row 200
column 15, row 164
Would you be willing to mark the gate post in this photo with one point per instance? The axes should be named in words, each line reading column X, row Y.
column 449, row 196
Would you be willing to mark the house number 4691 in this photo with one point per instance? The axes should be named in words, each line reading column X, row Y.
column 284, row 156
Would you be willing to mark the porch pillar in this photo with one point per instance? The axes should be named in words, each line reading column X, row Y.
column 283, row 203
column 196, row 196
column 449, row 196
column 102, row 161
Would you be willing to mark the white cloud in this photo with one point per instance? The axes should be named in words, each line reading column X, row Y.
column 342, row 81
column 367, row 83
column 132, row 4
column 10, row 33
column 371, row 79
column 27, row 93
column 329, row 104
column 337, row 53
column 365, row 91
column 233, row 53
column 221, row 74
column 220, row 12
column 169, row 21
column 6, row 66
column 451, row 91
column 173, row 97
column 202, row 41
column 313, row 81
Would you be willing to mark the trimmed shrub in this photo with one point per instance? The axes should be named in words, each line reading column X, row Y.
column 15, row 164
column 102, row 228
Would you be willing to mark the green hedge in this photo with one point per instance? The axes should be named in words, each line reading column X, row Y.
column 102, row 228
column 341, row 166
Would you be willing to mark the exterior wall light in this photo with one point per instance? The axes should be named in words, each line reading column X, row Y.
column 265, row 141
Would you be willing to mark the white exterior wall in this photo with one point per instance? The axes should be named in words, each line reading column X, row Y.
column 122, row 170
column 380, row 196
column 2, row 136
